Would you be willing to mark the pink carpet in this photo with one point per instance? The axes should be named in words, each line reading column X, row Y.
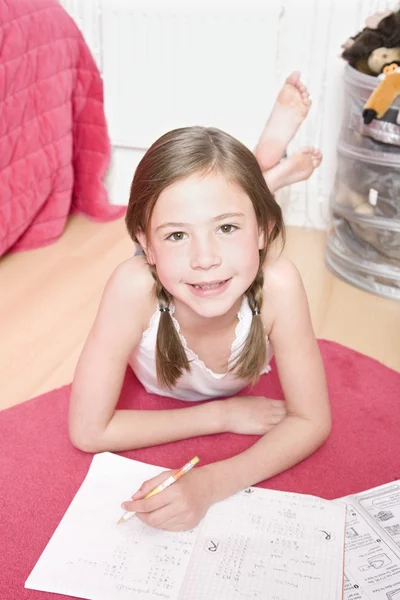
column 40, row 472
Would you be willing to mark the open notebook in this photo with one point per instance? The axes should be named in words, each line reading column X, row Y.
column 257, row 544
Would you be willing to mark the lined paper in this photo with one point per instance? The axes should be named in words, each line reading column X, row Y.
column 287, row 544
column 255, row 543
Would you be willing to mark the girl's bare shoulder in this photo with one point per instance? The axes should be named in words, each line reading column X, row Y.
column 281, row 279
column 131, row 286
column 280, row 274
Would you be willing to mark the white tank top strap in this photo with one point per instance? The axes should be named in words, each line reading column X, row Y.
column 201, row 383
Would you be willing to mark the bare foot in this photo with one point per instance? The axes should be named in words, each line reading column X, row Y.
column 289, row 111
column 297, row 167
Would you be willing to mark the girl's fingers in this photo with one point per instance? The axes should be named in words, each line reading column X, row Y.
column 278, row 404
column 159, row 518
column 149, row 485
column 166, row 518
column 277, row 419
column 147, row 505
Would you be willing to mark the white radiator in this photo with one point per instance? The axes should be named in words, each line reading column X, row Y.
column 170, row 63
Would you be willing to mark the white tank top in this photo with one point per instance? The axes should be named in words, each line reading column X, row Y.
column 200, row 383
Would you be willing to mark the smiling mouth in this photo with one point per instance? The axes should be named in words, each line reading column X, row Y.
column 212, row 285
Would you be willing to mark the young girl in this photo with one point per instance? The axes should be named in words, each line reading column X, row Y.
column 198, row 315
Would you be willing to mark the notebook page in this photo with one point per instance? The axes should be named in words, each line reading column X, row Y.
column 267, row 544
column 90, row 556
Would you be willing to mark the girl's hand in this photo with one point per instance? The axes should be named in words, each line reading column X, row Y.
column 180, row 506
column 252, row 415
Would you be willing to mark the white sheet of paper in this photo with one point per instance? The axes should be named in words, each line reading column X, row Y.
column 91, row 556
column 258, row 541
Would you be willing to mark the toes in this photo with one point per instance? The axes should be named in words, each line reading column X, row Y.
column 294, row 78
column 311, row 150
column 305, row 95
column 295, row 81
column 314, row 155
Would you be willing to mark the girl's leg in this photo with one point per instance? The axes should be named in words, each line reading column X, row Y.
column 297, row 167
column 290, row 109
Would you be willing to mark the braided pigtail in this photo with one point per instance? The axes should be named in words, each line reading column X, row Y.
column 254, row 354
column 171, row 359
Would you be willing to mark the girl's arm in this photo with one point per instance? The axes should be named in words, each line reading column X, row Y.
column 94, row 423
column 308, row 421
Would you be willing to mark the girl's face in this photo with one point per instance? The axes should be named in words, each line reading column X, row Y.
column 204, row 242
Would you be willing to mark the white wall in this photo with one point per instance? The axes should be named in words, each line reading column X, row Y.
column 169, row 63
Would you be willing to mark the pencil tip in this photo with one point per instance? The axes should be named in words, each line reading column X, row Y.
column 121, row 520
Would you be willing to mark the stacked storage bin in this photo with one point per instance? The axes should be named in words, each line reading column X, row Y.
column 364, row 242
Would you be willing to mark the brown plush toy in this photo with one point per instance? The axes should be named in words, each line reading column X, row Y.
column 384, row 34
column 384, row 94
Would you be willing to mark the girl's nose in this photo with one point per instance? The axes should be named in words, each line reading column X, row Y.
column 204, row 255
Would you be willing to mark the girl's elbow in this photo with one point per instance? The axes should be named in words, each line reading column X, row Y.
column 85, row 442
column 324, row 428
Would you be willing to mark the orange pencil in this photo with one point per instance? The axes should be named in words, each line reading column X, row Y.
column 174, row 477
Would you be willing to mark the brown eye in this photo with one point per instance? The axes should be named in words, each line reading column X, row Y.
column 227, row 228
column 177, row 236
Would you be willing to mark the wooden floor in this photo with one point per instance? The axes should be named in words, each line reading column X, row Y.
column 49, row 298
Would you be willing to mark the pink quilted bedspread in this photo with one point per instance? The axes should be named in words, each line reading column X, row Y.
column 54, row 145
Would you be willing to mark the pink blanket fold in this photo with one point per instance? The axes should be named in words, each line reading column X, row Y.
column 40, row 471
column 54, row 145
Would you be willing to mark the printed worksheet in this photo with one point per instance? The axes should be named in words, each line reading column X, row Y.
column 372, row 550
column 257, row 544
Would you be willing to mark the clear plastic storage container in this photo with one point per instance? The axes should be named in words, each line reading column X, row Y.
column 366, row 195
column 359, row 247
column 358, row 88
column 364, row 243
column 364, row 273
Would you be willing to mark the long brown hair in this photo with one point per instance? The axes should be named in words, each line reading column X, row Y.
column 175, row 156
